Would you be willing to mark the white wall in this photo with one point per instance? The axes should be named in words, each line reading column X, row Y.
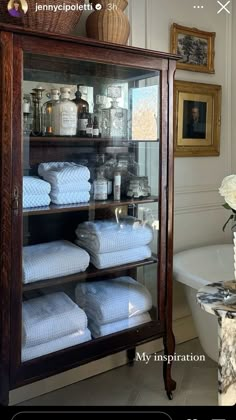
column 234, row 89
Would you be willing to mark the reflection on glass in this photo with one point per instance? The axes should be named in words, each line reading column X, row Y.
column 144, row 113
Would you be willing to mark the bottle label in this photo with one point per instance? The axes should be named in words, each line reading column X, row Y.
column 100, row 190
column 68, row 120
column 89, row 131
column 96, row 131
column 82, row 125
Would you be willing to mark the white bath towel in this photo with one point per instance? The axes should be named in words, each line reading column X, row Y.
column 103, row 236
column 63, row 172
column 32, row 185
column 40, row 200
column 113, row 300
column 73, row 187
column 53, row 259
column 114, row 259
column 49, row 317
column 70, row 197
column 113, row 327
column 67, row 341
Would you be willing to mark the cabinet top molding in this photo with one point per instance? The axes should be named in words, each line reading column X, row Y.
column 87, row 41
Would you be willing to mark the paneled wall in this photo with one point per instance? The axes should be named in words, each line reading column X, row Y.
column 198, row 212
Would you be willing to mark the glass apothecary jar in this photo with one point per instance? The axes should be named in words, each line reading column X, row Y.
column 65, row 115
column 48, row 111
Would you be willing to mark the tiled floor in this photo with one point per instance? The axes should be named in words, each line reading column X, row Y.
column 142, row 385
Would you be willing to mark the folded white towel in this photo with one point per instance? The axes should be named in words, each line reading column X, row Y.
column 113, row 300
column 33, row 185
column 53, row 259
column 114, row 259
column 73, row 187
column 113, row 327
column 67, row 341
column 103, row 236
column 70, row 197
column 63, row 172
column 49, row 317
column 40, row 200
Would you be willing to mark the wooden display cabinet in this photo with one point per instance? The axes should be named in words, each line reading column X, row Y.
column 29, row 58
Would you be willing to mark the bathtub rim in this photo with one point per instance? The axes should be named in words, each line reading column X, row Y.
column 193, row 280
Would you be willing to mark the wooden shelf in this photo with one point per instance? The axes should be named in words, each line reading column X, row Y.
column 90, row 273
column 54, row 209
column 74, row 140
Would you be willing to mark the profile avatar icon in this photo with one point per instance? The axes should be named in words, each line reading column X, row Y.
column 17, row 8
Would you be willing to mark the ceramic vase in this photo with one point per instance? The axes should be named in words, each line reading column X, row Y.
column 109, row 24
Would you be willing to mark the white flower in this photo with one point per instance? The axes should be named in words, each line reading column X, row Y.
column 228, row 190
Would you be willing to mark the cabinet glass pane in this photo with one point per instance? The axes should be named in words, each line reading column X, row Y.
column 90, row 201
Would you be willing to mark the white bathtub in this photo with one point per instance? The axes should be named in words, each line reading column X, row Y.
column 196, row 268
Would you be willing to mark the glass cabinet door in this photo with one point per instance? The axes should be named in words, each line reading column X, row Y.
column 90, row 202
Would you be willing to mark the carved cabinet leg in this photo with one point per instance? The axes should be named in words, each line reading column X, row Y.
column 169, row 349
column 131, row 356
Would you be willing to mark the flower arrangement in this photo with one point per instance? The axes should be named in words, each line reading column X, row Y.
column 228, row 191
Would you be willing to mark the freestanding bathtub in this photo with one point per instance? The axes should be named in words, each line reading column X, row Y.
column 195, row 268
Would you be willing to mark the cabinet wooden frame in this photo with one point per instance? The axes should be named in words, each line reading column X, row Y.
column 20, row 41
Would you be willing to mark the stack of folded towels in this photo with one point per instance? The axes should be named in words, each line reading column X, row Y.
column 113, row 305
column 112, row 244
column 35, row 192
column 50, row 323
column 53, row 259
column 69, row 182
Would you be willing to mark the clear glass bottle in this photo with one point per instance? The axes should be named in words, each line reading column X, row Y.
column 100, row 186
column 37, row 95
column 27, row 114
column 65, row 114
column 48, row 112
column 117, row 186
column 115, row 118
column 122, row 167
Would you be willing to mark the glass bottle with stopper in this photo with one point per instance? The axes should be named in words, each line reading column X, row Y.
column 37, row 95
column 115, row 118
column 65, row 114
column 49, row 111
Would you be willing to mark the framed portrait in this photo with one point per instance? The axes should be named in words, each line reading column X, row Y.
column 196, row 48
column 197, row 119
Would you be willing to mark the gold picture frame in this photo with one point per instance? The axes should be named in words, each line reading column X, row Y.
column 197, row 119
column 196, row 47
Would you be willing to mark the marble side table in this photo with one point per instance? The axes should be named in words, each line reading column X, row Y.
column 211, row 299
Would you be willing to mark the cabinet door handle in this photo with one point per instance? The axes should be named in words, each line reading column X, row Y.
column 15, row 201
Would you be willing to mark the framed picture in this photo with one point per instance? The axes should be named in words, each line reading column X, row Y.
column 197, row 48
column 197, row 119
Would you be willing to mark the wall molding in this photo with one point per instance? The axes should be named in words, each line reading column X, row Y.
column 198, row 209
column 196, row 189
